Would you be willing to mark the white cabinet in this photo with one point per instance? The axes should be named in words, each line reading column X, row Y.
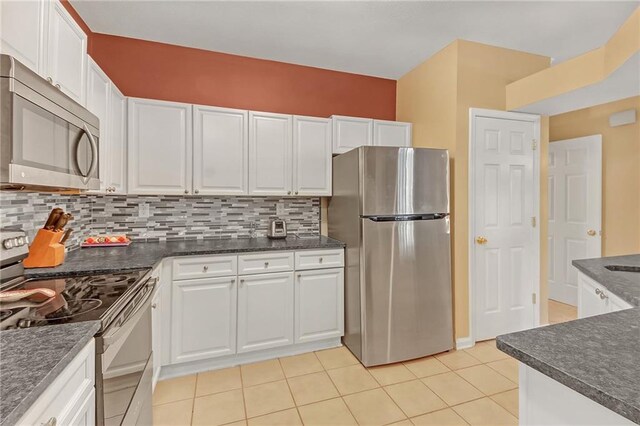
column 265, row 311
column 22, row 25
column 351, row 132
column 159, row 145
column 203, row 318
column 66, row 53
column 311, row 156
column 220, row 151
column 392, row 133
column 270, row 156
column 98, row 99
column 116, row 162
column 595, row 299
column 319, row 304
column 156, row 334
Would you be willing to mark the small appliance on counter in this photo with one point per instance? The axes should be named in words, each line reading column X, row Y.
column 277, row 229
column 47, row 249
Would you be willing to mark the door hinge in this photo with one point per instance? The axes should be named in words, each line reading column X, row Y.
column 533, row 298
column 533, row 221
column 534, row 144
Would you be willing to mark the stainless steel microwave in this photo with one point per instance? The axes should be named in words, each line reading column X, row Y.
column 47, row 140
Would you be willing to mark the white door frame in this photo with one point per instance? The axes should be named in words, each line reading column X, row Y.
column 505, row 115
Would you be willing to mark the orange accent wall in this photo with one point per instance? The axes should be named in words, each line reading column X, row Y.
column 162, row 71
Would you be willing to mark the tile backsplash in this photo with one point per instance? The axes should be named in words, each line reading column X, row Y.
column 160, row 217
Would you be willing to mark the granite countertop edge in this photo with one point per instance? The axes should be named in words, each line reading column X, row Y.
column 49, row 377
column 590, row 391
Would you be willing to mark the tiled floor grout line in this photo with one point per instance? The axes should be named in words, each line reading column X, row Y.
column 293, row 398
column 193, row 401
column 244, row 400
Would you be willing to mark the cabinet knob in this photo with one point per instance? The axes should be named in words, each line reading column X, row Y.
column 186, row 191
column 50, row 80
column 299, row 276
column 58, row 87
column 266, row 264
column 205, row 269
column 320, row 260
column 233, row 280
column 288, row 192
column 197, row 191
column 296, row 192
column 153, row 306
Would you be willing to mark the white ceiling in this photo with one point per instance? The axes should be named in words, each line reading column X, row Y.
column 378, row 38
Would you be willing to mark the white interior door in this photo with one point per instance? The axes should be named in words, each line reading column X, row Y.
column 575, row 211
column 504, row 205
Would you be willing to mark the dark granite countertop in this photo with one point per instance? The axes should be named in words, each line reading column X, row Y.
column 142, row 255
column 32, row 358
column 599, row 356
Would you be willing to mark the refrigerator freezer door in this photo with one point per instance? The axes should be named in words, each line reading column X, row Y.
column 406, row 290
column 404, row 181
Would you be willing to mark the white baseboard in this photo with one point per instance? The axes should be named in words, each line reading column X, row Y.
column 464, row 342
column 186, row 368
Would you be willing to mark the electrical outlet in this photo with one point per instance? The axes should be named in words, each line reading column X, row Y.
column 279, row 209
column 143, row 210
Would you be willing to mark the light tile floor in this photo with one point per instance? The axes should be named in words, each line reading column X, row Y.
column 561, row 312
column 476, row 386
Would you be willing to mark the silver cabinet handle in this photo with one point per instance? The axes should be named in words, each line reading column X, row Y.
column 603, row 296
column 186, row 191
column 266, row 264
column 288, row 192
column 299, row 276
column 320, row 260
column 205, row 269
column 197, row 191
column 296, row 192
column 58, row 87
column 241, row 283
column 50, row 80
column 154, row 306
column 598, row 291
column 51, row 422
column 233, row 281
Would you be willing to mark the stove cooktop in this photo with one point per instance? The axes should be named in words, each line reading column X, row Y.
column 78, row 298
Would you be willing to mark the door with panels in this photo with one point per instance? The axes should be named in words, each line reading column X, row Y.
column 575, row 211
column 391, row 133
column 265, row 311
column 270, row 156
column 319, row 305
column 311, row 156
column 23, row 24
column 351, row 132
column 66, row 54
column 503, row 223
column 116, row 176
column 220, row 151
column 98, row 102
column 159, row 146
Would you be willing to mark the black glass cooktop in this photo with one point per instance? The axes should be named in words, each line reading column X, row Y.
column 80, row 298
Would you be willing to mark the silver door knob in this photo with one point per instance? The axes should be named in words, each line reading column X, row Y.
column 241, row 283
column 591, row 232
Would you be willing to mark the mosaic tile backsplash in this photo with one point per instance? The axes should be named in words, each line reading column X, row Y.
column 169, row 217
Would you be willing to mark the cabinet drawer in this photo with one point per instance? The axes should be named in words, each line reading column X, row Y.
column 265, row 262
column 204, row 267
column 64, row 398
column 318, row 259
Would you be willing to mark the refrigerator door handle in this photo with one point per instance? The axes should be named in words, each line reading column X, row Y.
column 408, row 217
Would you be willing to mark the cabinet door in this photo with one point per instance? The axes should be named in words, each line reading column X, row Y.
column 203, row 319
column 220, row 151
column 391, row 133
column 159, row 146
column 319, row 304
column 66, row 56
column 270, row 157
column 23, row 25
column 311, row 156
column 589, row 301
column 86, row 413
column 98, row 97
column 351, row 132
column 117, row 155
column 156, row 335
column 265, row 311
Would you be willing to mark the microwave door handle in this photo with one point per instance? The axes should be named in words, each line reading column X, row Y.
column 94, row 154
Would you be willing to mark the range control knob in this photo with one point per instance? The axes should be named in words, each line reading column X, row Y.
column 20, row 241
column 8, row 243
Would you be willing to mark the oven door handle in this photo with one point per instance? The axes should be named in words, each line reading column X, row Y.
column 114, row 334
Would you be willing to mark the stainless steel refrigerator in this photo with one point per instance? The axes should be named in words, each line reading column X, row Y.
column 391, row 208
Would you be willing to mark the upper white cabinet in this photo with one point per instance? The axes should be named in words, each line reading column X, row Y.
column 220, row 151
column 66, row 53
column 391, row 133
column 116, row 163
column 351, row 132
column 159, row 144
column 270, row 154
column 98, row 98
column 311, row 156
column 43, row 36
column 22, row 25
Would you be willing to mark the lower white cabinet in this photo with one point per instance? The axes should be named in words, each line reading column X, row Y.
column 265, row 311
column 595, row 299
column 203, row 318
column 156, row 334
column 319, row 307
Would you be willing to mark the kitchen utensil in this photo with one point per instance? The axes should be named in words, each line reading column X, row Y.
column 53, row 218
column 34, row 294
column 277, row 229
column 66, row 235
column 62, row 222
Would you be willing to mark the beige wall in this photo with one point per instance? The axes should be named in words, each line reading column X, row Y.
column 436, row 97
column 620, row 169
